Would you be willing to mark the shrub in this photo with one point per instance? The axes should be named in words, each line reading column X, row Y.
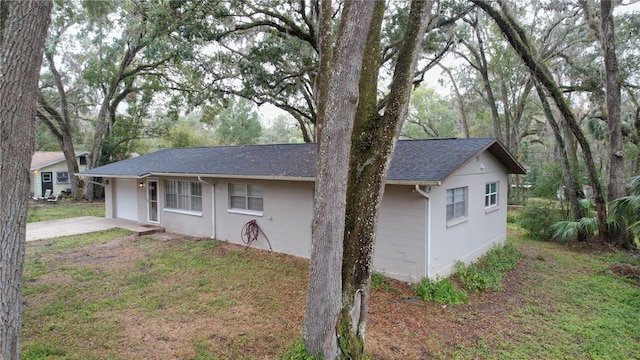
column 442, row 291
column 537, row 218
column 487, row 273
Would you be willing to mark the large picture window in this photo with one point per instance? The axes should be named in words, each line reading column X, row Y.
column 183, row 195
column 245, row 197
column 491, row 194
column 456, row 203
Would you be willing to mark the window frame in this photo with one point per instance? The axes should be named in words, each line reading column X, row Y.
column 452, row 194
column 183, row 196
column 246, row 193
column 488, row 195
column 58, row 177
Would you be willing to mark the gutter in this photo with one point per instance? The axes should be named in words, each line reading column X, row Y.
column 213, row 205
column 427, row 250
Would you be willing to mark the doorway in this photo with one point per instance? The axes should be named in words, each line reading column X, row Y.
column 46, row 179
column 152, row 200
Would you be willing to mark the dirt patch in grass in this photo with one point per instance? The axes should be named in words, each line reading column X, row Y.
column 403, row 327
column 112, row 255
column 626, row 270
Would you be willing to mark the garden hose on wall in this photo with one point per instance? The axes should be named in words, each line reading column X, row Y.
column 250, row 232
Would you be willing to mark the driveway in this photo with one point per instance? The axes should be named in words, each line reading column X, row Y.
column 81, row 225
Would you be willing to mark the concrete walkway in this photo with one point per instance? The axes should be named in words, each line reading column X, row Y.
column 81, row 225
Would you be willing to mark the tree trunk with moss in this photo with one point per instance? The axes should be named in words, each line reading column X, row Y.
column 355, row 147
column 340, row 73
column 372, row 145
column 23, row 29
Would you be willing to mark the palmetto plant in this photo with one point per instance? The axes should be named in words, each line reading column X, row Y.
column 624, row 215
column 624, row 212
column 570, row 229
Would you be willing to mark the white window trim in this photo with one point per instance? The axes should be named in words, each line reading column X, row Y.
column 244, row 211
column 183, row 212
column 457, row 221
column 461, row 219
column 492, row 207
column 178, row 210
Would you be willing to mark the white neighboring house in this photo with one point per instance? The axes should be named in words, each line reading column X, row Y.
column 445, row 199
column 49, row 171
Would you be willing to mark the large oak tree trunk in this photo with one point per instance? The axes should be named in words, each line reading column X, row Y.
column 339, row 101
column 373, row 142
column 23, row 29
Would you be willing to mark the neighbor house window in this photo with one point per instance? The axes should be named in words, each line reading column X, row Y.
column 62, row 177
column 245, row 197
column 183, row 195
column 491, row 194
column 456, row 203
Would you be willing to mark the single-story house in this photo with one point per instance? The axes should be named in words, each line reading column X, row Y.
column 445, row 200
column 49, row 171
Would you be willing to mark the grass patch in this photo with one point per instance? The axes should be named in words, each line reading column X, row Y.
column 380, row 282
column 84, row 301
column 296, row 351
column 488, row 271
column 570, row 307
column 63, row 210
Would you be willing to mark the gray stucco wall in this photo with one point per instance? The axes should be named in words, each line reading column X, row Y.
column 286, row 218
column 470, row 238
column 401, row 237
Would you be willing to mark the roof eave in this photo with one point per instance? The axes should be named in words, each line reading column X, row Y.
column 251, row 177
column 414, row 182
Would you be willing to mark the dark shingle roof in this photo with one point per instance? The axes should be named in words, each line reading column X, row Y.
column 424, row 161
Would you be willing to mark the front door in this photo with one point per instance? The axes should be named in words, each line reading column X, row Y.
column 152, row 199
column 46, row 179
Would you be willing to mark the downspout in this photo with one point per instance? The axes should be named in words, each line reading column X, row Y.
column 427, row 250
column 213, row 205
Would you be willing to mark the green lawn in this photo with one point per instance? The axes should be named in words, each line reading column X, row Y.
column 62, row 210
column 111, row 295
column 572, row 306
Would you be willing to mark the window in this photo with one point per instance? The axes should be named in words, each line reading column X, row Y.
column 46, row 177
column 183, row 195
column 83, row 160
column 491, row 195
column 245, row 197
column 62, row 177
column 456, row 203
